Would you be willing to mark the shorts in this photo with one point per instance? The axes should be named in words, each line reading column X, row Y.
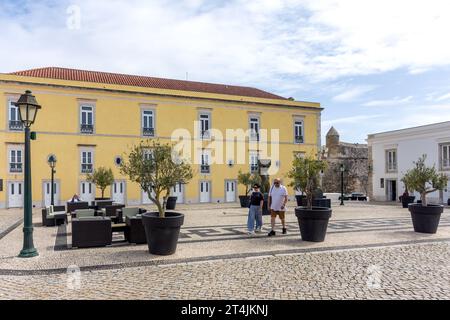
column 274, row 214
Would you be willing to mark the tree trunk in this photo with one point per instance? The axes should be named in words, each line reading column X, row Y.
column 103, row 193
column 423, row 197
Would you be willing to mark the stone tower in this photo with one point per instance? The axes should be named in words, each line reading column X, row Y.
column 332, row 140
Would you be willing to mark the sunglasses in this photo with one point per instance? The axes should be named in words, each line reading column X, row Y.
column 276, row 183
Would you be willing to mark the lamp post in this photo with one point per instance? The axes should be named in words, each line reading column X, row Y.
column 28, row 108
column 342, row 184
column 52, row 163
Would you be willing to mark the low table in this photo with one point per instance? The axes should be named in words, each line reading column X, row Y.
column 60, row 218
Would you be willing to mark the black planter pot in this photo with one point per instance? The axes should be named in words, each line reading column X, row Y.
column 245, row 201
column 313, row 223
column 317, row 202
column 407, row 200
column 171, row 203
column 448, row 201
column 425, row 219
column 162, row 233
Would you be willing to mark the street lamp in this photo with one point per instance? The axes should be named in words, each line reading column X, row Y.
column 342, row 184
column 28, row 108
column 52, row 163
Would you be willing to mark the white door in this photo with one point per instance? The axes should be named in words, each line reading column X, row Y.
column 15, row 194
column 178, row 191
column 118, row 192
column 230, row 189
column 87, row 191
column 48, row 194
column 205, row 192
column 145, row 198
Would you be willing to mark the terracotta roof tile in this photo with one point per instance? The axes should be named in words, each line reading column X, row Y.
column 143, row 81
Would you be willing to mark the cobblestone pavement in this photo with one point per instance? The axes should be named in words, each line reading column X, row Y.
column 370, row 251
column 9, row 219
column 403, row 272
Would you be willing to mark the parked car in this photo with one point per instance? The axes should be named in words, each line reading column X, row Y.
column 358, row 196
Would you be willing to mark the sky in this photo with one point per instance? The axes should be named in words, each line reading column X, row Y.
column 373, row 65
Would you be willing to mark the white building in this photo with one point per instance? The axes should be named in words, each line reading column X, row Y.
column 392, row 153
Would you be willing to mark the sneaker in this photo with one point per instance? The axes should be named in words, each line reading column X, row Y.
column 258, row 230
column 250, row 233
column 284, row 231
column 271, row 233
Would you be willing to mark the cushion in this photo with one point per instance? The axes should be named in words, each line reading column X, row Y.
column 85, row 213
column 130, row 212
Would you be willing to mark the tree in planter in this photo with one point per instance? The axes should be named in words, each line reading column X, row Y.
column 424, row 179
column 305, row 176
column 248, row 180
column 151, row 165
column 102, row 178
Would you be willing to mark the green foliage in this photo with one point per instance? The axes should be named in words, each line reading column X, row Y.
column 424, row 179
column 248, row 180
column 156, row 167
column 102, row 178
column 305, row 175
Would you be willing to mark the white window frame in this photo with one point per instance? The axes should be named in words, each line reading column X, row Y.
column 87, row 151
column 253, row 156
column 17, row 120
column 205, row 160
column 204, row 130
column 144, row 116
column 299, row 124
column 391, row 166
column 87, row 112
column 444, row 150
column 254, row 134
column 13, row 154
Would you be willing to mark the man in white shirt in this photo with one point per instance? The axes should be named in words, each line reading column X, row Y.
column 278, row 197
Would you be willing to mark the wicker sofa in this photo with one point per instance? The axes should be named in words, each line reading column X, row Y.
column 91, row 232
column 72, row 206
column 48, row 218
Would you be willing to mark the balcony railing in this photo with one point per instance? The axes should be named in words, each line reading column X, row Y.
column 87, row 128
column 205, row 134
column 254, row 168
column 446, row 164
column 298, row 139
column 392, row 167
column 86, row 168
column 15, row 167
column 205, row 168
column 148, row 132
column 16, row 125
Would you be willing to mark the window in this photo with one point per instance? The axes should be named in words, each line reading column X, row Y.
column 86, row 162
column 254, row 128
column 298, row 131
column 148, row 123
column 148, row 154
column 382, row 183
column 205, row 125
column 299, row 154
column 391, row 161
column 445, row 156
column 87, row 119
column 15, row 161
column 205, row 162
column 254, row 162
column 15, row 124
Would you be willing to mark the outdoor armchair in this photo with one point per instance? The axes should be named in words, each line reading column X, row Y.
column 48, row 215
column 91, row 232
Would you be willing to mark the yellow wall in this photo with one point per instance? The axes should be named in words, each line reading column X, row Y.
column 118, row 126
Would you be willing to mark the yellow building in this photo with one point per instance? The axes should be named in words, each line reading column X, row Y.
column 90, row 119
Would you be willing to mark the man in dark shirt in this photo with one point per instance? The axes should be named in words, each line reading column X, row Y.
column 255, row 211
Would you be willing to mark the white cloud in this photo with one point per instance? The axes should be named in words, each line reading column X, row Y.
column 349, row 120
column 265, row 43
column 443, row 97
column 387, row 103
column 352, row 93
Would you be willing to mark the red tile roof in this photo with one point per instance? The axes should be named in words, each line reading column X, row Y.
column 142, row 81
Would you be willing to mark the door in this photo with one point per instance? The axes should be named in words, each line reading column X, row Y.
column 15, row 194
column 87, row 191
column 391, row 190
column 118, row 191
column 48, row 194
column 230, row 191
column 205, row 191
column 178, row 191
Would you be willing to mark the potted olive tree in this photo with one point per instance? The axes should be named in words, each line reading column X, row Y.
column 157, row 169
column 313, row 221
column 247, row 180
column 425, row 180
column 102, row 178
column 406, row 198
